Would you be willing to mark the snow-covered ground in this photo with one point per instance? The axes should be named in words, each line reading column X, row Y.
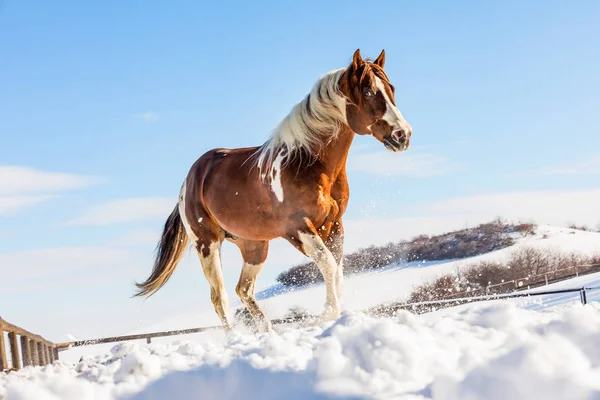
column 485, row 351
column 544, row 347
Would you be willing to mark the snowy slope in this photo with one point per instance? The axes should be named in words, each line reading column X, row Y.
column 393, row 283
column 519, row 349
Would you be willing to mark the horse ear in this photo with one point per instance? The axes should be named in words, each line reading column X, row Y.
column 381, row 59
column 357, row 60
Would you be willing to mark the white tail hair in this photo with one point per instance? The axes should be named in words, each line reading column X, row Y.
column 310, row 123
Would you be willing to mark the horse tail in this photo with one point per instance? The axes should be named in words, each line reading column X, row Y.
column 170, row 248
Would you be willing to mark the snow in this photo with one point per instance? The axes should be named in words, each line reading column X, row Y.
column 486, row 351
column 543, row 347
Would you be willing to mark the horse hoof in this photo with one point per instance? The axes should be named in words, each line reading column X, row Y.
column 265, row 326
column 330, row 314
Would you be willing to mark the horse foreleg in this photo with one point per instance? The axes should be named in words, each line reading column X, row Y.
column 315, row 248
column 254, row 254
column 335, row 244
column 210, row 258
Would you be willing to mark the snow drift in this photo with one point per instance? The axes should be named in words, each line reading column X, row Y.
column 485, row 351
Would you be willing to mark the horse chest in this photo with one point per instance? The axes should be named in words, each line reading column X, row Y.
column 331, row 203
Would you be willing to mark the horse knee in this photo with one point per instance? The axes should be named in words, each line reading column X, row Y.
column 213, row 296
column 241, row 291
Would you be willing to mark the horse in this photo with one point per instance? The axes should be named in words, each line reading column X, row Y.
column 294, row 186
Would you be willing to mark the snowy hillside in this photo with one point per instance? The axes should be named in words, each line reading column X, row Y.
column 389, row 284
column 518, row 349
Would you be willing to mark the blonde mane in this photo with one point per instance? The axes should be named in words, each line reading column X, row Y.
column 310, row 123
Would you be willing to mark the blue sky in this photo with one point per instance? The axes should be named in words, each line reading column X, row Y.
column 105, row 105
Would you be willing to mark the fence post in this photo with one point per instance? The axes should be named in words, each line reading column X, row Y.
column 41, row 355
column 3, row 362
column 45, row 357
column 35, row 356
column 546, row 277
column 583, row 296
column 14, row 350
column 26, row 351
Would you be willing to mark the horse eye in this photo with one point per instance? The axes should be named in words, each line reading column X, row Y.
column 368, row 93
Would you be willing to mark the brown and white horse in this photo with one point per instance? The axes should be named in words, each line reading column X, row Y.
column 294, row 187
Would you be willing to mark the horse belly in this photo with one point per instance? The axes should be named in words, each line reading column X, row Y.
column 242, row 210
column 250, row 223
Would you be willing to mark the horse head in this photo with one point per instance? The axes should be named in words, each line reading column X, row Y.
column 370, row 107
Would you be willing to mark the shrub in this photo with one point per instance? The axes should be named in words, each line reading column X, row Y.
column 526, row 229
column 469, row 242
column 580, row 227
column 530, row 265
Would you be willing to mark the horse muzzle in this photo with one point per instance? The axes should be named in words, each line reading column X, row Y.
column 397, row 141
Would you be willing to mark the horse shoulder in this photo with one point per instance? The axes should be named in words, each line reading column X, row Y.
column 340, row 192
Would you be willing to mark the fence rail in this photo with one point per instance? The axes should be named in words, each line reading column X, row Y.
column 530, row 282
column 35, row 350
column 548, row 277
column 420, row 307
column 582, row 292
column 149, row 336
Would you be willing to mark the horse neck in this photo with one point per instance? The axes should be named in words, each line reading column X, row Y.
column 334, row 154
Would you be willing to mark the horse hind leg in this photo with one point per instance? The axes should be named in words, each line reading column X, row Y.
column 210, row 258
column 207, row 239
column 254, row 254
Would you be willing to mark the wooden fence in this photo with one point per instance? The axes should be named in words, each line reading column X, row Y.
column 545, row 278
column 149, row 336
column 34, row 349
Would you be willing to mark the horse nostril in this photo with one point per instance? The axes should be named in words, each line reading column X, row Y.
column 400, row 134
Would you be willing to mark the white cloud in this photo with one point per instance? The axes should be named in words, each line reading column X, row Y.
column 21, row 269
column 557, row 207
column 127, row 210
column 148, row 116
column 12, row 204
column 17, row 180
column 22, row 187
column 406, row 163
column 590, row 166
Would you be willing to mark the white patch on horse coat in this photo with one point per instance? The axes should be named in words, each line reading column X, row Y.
column 183, row 216
column 245, row 289
column 200, row 219
column 213, row 272
column 276, row 186
column 339, row 279
column 315, row 248
column 392, row 115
